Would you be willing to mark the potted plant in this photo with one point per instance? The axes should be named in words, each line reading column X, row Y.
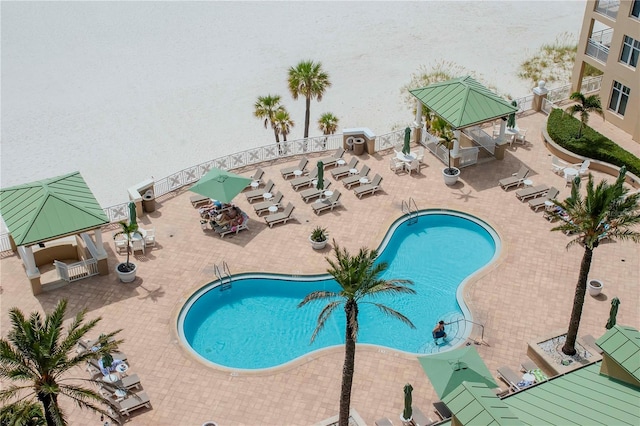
column 595, row 287
column 443, row 131
column 318, row 238
column 127, row 271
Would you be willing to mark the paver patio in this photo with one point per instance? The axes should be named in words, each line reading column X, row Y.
column 528, row 292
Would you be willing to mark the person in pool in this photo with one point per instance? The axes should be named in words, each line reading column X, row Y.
column 438, row 331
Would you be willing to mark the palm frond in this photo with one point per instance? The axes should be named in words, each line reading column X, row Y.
column 322, row 318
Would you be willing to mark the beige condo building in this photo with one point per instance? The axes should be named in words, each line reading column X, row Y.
column 610, row 42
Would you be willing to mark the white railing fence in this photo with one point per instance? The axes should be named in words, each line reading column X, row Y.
column 76, row 271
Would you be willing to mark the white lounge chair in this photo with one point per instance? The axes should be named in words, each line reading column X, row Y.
column 288, row 172
column 516, row 179
column 332, row 160
column 327, row 204
column 311, row 193
column 132, row 403
column 370, row 188
column 540, row 202
column 233, row 229
column 257, row 193
column 557, row 165
column 531, row 192
column 339, row 172
column 283, row 217
column 263, row 207
column 349, row 181
column 300, row 182
column 583, row 168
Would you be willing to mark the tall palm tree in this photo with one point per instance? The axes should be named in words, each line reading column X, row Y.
column 309, row 80
column 587, row 105
column 328, row 123
column 283, row 122
column 358, row 277
column 22, row 413
column 605, row 210
column 37, row 355
column 266, row 108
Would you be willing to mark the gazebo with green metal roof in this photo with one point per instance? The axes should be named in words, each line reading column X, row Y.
column 464, row 103
column 47, row 210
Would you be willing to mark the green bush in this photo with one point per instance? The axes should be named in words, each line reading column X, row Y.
column 563, row 129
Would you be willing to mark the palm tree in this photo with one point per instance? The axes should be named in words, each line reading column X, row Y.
column 358, row 277
column 443, row 130
column 328, row 123
column 605, row 210
column 38, row 355
column 309, row 80
column 129, row 230
column 283, row 122
column 587, row 105
column 266, row 108
column 22, row 413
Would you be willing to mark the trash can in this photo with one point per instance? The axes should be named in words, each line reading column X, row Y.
column 358, row 146
column 149, row 202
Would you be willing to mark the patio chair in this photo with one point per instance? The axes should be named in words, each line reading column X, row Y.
column 150, row 238
column 508, row 376
column 370, row 188
column 583, row 168
column 538, row 203
column 442, row 410
column 311, row 193
column 137, row 245
column 332, row 160
column 298, row 183
column 327, row 204
column 288, row 172
column 557, row 165
column 132, row 403
column 384, row 422
column 283, row 217
column 263, row 206
column 121, row 243
column 413, row 165
column 396, row 165
column 256, row 194
column 257, row 175
column 129, row 382
column 531, row 192
column 339, row 172
column 349, row 181
column 520, row 137
column 515, row 179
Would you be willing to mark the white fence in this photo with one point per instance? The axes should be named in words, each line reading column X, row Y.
column 76, row 271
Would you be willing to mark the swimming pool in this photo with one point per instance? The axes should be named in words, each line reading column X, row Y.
column 256, row 324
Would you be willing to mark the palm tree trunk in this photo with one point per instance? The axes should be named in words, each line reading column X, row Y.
column 47, row 400
column 569, row 347
column 307, row 113
column 275, row 132
column 351, row 309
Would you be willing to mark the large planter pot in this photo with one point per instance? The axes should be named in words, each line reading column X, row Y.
column 126, row 276
column 407, row 422
column 450, row 179
column 594, row 287
column 318, row 245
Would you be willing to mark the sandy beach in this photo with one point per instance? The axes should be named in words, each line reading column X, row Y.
column 126, row 91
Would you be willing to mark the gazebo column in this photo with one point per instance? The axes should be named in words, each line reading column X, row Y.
column 455, row 150
column 99, row 252
column 417, row 124
column 33, row 273
column 99, row 244
column 539, row 95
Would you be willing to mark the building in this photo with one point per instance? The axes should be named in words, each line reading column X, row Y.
column 610, row 42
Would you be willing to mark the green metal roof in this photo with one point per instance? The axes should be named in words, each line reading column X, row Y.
column 463, row 102
column 50, row 209
column 475, row 404
column 622, row 344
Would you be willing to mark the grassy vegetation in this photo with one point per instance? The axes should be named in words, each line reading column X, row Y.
column 563, row 129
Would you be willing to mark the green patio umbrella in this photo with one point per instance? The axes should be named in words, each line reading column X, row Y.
column 448, row 370
column 615, row 302
column 511, row 121
column 408, row 402
column 406, row 148
column 132, row 213
column 220, row 185
column 320, row 177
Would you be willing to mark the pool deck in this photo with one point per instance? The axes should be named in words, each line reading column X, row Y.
column 527, row 293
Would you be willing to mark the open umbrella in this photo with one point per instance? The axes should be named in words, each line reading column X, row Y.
column 132, row 213
column 320, row 176
column 406, row 148
column 511, row 121
column 448, row 370
column 408, row 401
column 220, row 185
column 615, row 302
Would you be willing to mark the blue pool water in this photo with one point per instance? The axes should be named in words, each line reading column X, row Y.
column 256, row 324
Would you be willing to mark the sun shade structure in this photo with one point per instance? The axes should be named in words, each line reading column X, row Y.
column 463, row 102
column 220, row 185
column 50, row 209
column 448, row 370
column 475, row 404
column 621, row 357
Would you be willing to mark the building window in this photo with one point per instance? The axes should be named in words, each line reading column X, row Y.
column 635, row 9
column 619, row 98
column 630, row 51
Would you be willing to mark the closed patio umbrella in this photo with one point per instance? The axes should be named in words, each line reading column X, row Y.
column 511, row 121
column 615, row 302
column 407, row 413
column 406, row 148
column 132, row 213
column 320, row 177
column 220, row 185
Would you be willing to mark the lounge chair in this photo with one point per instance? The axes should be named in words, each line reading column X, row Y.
column 419, row 418
column 283, row 217
column 233, row 229
column 527, row 365
column 590, row 341
column 583, row 168
column 129, row 382
column 369, row 188
column 557, row 165
column 516, row 179
column 531, row 192
column 384, row 422
column 332, row 161
column 510, row 377
column 131, row 403
column 538, row 203
column 256, row 194
column 298, row 183
column 339, row 172
column 198, row 200
column 349, row 181
column 288, row 172
column 442, row 410
column 257, row 175
column 311, row 193
column 327, row 204
column 263, row 206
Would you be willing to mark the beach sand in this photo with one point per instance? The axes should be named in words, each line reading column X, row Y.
column 127, row 91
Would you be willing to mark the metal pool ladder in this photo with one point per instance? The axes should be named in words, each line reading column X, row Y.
column 225, row 280
column 410, row 208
